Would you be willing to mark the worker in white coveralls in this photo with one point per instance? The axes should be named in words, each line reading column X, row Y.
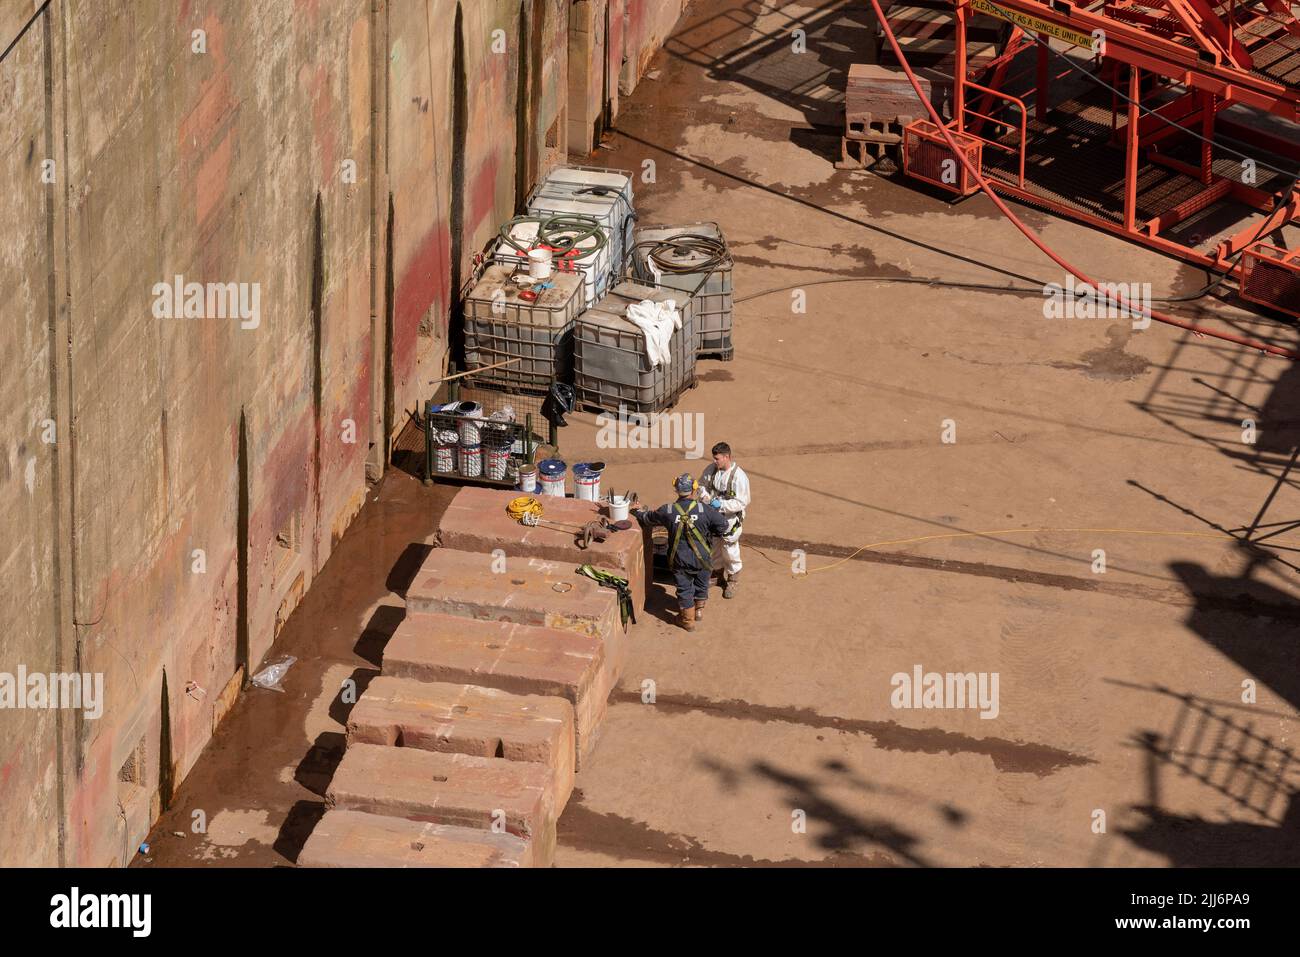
column 725, row 486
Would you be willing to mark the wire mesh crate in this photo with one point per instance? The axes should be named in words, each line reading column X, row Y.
column 603, row 194
column 481, row 433
column 611, row 365
column 928, row 157
column 505, row 320
column 692, row 258
column 1270, row 276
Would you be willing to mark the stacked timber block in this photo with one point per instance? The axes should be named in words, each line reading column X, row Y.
column 462, row 753
column 460, row 790
column 467, row 719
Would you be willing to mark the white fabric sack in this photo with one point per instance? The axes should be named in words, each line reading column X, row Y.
column 657, row 320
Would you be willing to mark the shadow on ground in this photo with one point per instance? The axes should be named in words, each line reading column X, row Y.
column 1223, row 752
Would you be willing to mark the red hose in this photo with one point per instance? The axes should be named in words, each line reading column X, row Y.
column 1116, row 297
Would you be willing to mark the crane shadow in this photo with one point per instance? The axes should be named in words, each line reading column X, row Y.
column 1217, row 745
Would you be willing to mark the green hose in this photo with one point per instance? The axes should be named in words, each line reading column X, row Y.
column 577, row 229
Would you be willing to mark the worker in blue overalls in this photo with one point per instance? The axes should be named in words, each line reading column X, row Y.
column 692, row 525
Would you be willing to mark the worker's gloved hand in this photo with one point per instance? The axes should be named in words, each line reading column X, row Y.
column 716, row 503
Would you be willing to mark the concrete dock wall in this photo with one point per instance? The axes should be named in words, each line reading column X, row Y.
column 234, row 232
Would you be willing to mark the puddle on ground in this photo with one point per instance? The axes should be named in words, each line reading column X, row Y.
column 1110, row 362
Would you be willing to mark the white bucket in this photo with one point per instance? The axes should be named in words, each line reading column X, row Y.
column 539, row 263
column 469, row 430
column 618, row 507
column 444, row 451
column 496, row 462
column 552, row 472
column 471, row 460
column 496, row 451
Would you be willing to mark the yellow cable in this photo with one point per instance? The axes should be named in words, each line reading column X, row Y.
column 524, row 505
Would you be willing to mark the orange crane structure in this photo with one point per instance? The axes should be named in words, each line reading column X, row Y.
column 1174, row 123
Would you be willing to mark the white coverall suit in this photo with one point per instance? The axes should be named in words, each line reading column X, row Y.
column 716, row 485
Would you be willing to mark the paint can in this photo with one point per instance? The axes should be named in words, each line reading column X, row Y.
column 586, row 481
column 444, row 451
column 469, row 419
column 471, row 460
column 528, row 479
column 552, row 475
column 539, row 263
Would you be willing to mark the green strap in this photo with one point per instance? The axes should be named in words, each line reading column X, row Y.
column 731, row 482
column 733, row 518
column 621, row 585
column 695, row 538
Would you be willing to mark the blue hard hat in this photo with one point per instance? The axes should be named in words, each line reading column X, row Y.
column 684, row 484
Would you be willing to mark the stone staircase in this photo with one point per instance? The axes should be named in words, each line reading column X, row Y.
column 462, row 753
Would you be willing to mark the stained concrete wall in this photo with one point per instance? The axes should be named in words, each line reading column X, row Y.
column 30, row 504
column 610, row 46
column 173, row 485
column 647, row 24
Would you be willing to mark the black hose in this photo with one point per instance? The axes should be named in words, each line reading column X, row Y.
column 917, row 280
column 686, row 253
column 943, row 284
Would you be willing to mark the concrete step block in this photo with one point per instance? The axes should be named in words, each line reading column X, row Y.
column 530, row 591
column 456, row 789
column 476, row 521
column 519, row 659
column 469, row 719
column 357, row 839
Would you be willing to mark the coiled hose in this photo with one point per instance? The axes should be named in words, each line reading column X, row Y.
column 686, row 253
column 562, row 233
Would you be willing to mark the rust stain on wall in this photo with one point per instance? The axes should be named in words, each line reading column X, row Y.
column 483, row 190
column 208, row 165
column 324, row 114
column 214, row 174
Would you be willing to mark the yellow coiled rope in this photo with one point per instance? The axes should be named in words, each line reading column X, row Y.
column 524, row 505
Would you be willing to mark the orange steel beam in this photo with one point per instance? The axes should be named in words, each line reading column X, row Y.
column 1205, row 67
column 1133, row 155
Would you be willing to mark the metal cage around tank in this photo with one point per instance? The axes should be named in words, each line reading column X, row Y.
column 694, row 259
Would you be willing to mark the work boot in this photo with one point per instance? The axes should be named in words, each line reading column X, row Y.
column 699, row 611
column 730, row 590
column 688, row 619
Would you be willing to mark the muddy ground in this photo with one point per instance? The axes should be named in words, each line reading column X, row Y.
column 1126, row 731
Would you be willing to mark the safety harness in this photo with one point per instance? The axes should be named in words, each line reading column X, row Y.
column 608, row 580
column 694, row 538
column 738, row 518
